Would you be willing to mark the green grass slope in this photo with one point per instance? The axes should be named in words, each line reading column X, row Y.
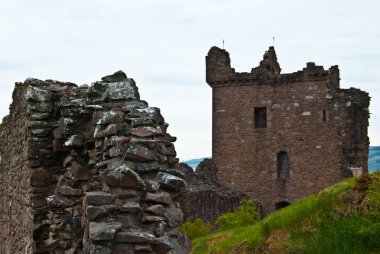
column 344, row 218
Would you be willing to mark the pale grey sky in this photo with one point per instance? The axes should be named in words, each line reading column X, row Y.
column 162, row 45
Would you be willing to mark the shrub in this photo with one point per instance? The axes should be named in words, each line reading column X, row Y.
column 362, row 182
column 195, row 229
column 246, row 214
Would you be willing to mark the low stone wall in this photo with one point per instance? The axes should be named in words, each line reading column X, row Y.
column 206, row 197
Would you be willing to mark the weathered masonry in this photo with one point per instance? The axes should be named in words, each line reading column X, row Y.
column 88, row 169
column 279, row 137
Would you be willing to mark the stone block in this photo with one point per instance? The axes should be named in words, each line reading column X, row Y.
column 144, row 167
column 136, row 237
column 57, row 203
column 174, row 171
column 103, row 231
column 126, row 90
column 159, row 197
column 109, row 117
column 141, row 121
column 118, row 76
column 151, row 218
column 174, row 216
column 36, row 94
column 168, row 150
column 80, row 173
column 99, row 198
column 131, row 207
column 138, row 152
column 156, row 209
column 42, row 107
column 145, row 132
column 35, row 82
column 95, row 211
column 132, row 105
column 170, row 181
column 39, row 124
column 40, row 132
column 125, row 177
column 164, row 245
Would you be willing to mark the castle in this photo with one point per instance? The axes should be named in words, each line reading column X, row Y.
column 92, row 169
column 279, row 137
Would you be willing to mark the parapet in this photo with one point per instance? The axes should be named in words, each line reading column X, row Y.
column 220, row 73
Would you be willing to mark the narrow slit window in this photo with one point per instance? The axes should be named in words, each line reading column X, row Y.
column 260, row 117
column 324, row 116
column 283, row 165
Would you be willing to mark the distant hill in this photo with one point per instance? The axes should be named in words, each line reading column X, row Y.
column 194, row 162
column 373, row 159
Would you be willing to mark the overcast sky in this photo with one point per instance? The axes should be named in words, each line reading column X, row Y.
column 162, row 45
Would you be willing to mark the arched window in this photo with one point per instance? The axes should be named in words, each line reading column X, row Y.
column 282, row 165
column 281, row 204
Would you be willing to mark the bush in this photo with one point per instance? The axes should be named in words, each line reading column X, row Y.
column 195, row 229
column 246, row 214
column 362, row 182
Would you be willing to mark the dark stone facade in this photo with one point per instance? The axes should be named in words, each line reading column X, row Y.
column 279, row 137
column 205, row 196
column 88, row 169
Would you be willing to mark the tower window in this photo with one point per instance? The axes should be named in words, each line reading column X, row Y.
column 260, row 117
column 282, row 165
column 324, row 116
column 281, row 204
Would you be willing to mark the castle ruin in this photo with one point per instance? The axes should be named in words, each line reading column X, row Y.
column 280, row 137
column 87, row 169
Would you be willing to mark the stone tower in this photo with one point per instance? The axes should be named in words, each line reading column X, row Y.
column 279, row 137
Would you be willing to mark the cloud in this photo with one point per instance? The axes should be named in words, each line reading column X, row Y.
column 162, row 45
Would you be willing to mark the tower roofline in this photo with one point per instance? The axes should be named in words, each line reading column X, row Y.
column 219, row 71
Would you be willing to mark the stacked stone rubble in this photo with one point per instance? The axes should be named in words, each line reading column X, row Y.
column 102, row 169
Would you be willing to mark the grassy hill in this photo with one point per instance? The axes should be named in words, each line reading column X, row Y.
column 344, row 218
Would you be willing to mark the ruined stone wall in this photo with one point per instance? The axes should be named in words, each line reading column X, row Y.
column 205, row 196
column 322, row 128
column 88, row 169
column 16, row 223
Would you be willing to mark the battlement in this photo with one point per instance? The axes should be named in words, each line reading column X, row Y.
column 220, row 73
